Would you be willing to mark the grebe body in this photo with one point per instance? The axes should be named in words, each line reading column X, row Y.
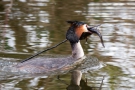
column 45, row 65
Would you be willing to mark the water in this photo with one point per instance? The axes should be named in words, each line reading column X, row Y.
column 27, row 27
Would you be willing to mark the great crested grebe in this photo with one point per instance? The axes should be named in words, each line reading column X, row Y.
column 76, row 32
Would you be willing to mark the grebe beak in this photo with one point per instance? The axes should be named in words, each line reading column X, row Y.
column 96, row 31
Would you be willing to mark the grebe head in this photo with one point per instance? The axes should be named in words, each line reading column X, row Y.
column 79, row 31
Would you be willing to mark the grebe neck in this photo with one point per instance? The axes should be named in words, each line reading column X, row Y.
column 77, row 50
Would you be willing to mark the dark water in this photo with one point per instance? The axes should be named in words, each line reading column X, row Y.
column 27, row 27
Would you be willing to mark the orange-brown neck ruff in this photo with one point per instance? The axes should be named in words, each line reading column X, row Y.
column 80, row 29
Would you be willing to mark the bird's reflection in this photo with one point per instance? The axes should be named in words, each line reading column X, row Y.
column 77, row 83
column 84, row 86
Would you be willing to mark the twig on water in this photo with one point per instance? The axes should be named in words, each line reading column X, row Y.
column 100, row 88
column 43, row 51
